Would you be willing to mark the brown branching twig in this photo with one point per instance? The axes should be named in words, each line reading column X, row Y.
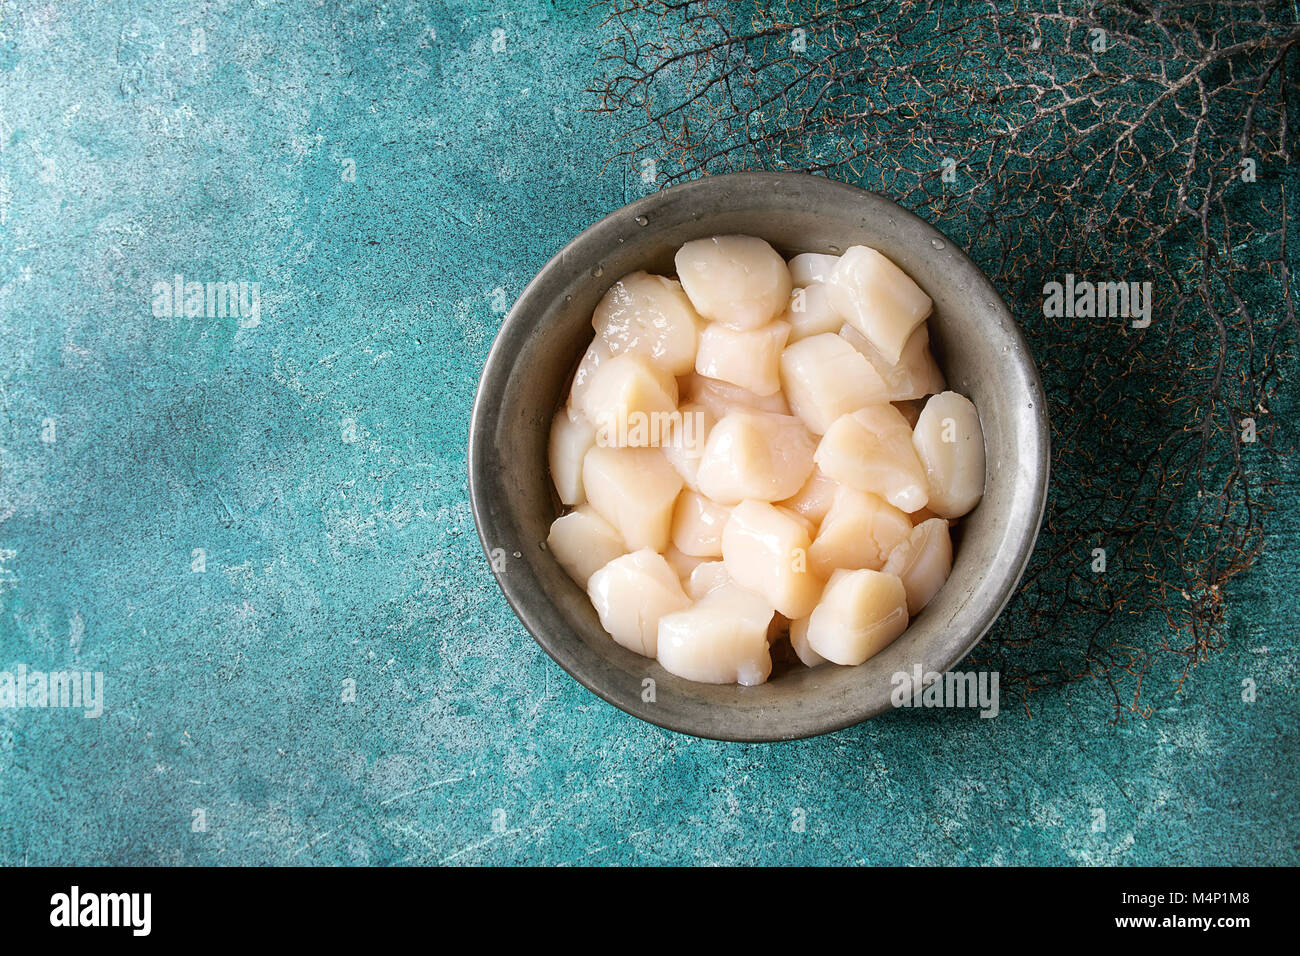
column 1119, row 141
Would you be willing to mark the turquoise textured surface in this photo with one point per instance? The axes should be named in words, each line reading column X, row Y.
column 257, row 529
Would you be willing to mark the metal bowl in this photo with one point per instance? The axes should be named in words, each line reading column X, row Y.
column 975, row 340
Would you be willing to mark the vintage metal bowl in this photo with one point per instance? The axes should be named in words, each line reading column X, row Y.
column 524, row 381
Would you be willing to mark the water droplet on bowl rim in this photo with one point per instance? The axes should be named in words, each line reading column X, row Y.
column 937, row 243
column 642, row 221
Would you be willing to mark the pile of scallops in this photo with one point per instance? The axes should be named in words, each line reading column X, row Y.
column 760, row 457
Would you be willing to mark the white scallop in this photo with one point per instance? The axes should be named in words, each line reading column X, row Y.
column 595, row 356
column 922, row 562
column 914, row 375
column 707, row 576
column 815, row 498
column 755, row 455
column 572, row 435
column 739, row 281
column 722, row 397
column 749, row 359
column 634, row 489
column 631, row 594
column 871, row 450
column 626, row 399
column 824, row 377
column 720, row 639
column 860, row 614
column 584, row 542
column 683, row 564
column 950, row 444
column 652, row 316
column 799, row 641
column 810, row 313
column 879, row 299
column 685, row 447
column 859, row 531
column 698, row 523
column 766, row 551
column 809, row 267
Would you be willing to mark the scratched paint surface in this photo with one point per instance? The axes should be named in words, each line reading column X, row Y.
column 238, row 521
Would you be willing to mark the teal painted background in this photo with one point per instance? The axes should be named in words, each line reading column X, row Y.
column 318, row 459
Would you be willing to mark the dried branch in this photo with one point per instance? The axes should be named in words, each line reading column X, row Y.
column 1115, row 141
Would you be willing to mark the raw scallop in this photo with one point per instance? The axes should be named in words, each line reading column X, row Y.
column 631, row 594
column 815, row 498
column 739, row 281
column 915, row 375
column 707, row 576
column 755, row 455
column 698, row 524
column 950, row 444
column 722, row 397
column 686, row 444
column 810, row 313
column 799, row 641
column 749, row 359
column 651, row 316
column 592, row 359
column 825, row 377
column 626, row 399
column 879, row 299
column 922, row 562
column 809, row 267
column 766, row 551
column 871, row 450
column 720, row 639
column 584, row 542
column 859, row 531
column 634, row 490
column 572, row 436
column 860, row 614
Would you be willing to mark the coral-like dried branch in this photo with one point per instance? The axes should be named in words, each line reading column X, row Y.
column 1125, row 142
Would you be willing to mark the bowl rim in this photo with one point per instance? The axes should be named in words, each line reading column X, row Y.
column 497, row 364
